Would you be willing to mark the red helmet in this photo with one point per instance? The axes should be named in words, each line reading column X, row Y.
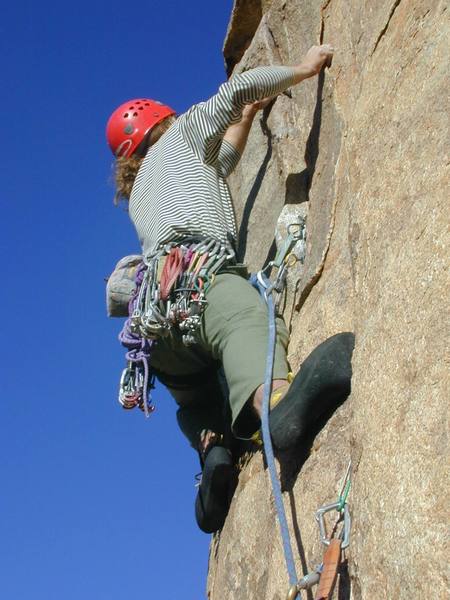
column 130, row 123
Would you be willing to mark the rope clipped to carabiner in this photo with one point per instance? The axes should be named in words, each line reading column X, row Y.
column 335, row 542
column 266, row 288
column 263, row 285
column 341, row 507
column 324, row 574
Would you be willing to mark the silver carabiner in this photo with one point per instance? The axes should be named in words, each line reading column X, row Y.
column 129, row 390
column 345, row 531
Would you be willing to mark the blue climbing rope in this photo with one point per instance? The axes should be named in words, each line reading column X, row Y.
column 264, row 286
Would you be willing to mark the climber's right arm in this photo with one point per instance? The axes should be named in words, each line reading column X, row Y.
column 315, row 59
column 205, row 124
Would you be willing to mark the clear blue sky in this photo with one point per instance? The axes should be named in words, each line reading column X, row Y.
column 96, row 503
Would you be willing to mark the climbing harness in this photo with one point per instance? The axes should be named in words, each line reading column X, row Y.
column 170, row 294
column 173, row 289
column 326, row 573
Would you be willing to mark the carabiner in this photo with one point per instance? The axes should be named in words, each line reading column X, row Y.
column 344, row 533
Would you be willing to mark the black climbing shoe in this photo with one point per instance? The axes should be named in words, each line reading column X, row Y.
column 215, row 490
column 320, row 386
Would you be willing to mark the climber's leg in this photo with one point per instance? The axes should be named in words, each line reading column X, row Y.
column 191, row 377
column 202, row 415
column 321, row 385
column 219, row 480
column 235, row 332
column 204, row 418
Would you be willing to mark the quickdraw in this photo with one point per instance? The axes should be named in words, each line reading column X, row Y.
column 284, row 259
column 334, row 542
column 171, row 286
column 326, row 573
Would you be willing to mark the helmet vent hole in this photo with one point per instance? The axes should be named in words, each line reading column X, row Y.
column 138, row 102
column 125, row 116
column 147, row 104
column 131, row 108
column 141, row 108
column 135, row 114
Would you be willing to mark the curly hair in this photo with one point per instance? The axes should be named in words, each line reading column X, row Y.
column 126, row 169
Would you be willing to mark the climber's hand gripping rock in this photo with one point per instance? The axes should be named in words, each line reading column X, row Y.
column 315, row 59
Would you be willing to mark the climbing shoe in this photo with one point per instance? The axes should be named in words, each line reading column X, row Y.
column 215, row 490
column 320, row 386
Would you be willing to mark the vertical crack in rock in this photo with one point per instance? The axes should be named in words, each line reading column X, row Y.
column 319, row 269
column 251, row 198
column 383, row 31
column 275, row 45
column 311, row 156
column 316, row 262
column 312, row 143
column 322, row 20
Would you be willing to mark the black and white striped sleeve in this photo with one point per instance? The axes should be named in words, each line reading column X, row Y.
column 227, row 159
column 204, row 125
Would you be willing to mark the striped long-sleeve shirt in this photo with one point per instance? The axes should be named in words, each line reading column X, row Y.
column 180, row 190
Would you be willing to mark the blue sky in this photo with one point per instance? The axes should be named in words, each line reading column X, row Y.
column 95, row 503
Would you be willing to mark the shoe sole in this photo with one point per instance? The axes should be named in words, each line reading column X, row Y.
column 321, row 385
column 213, row 498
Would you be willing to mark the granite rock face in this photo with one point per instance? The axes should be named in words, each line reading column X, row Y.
column 362, row 151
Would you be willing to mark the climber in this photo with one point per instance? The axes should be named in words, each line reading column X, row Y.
column 172, row 171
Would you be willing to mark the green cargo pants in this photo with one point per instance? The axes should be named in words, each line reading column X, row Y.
column 234, row 336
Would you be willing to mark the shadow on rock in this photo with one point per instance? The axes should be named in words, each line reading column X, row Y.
column 345, row 588
column 292, row 461
column 251, row 198
column 298, row 185
column 299, row 543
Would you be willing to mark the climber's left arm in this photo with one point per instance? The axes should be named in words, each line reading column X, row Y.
column 235, row 138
